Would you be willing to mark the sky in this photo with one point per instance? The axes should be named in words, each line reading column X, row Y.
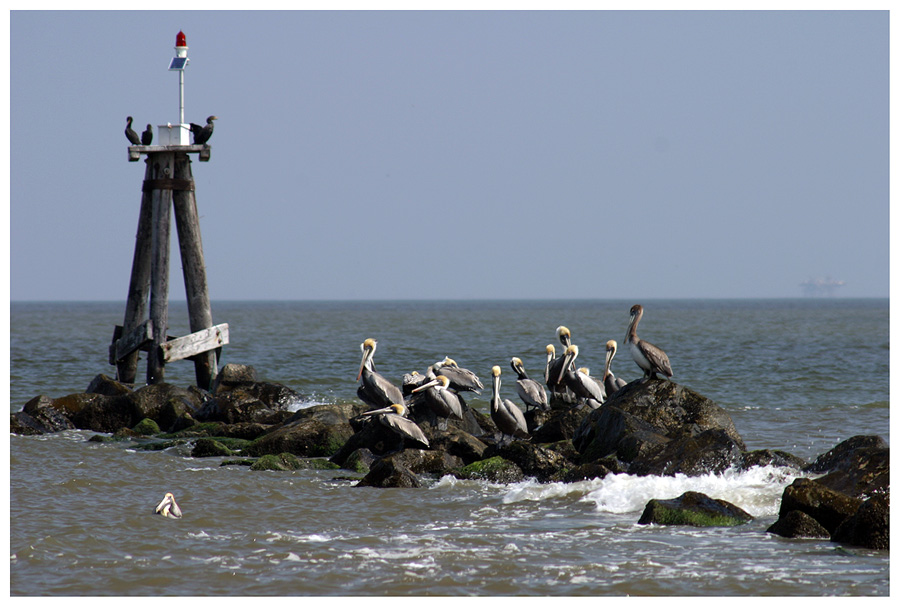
column 462, row 154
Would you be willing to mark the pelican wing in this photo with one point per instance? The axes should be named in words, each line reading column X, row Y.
column 532, row 393
column 658, row 360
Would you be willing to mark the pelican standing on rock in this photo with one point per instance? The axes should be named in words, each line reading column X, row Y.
column 531, row 392
column 647, row 356
column 508, row 418
column 461, row 380
column 579, row 381
column 168, row 508
column 394, row 419
column 374, row 389
column 553, row 372
column 610, row 382
column 441, row 400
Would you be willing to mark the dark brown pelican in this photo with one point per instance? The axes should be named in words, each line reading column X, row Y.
column 610, row 382
column 564, row 336
column 147, row 136
column 129, row 132
column 441, row 400
column 168, row 508
column 411, row 381
column 531, row 392
column 553, row 372
column 461, row 380
column 394, row 418
column 203, row 133
column 508, row 418
column 374, row 389
column 647, row 356
column 579, row 381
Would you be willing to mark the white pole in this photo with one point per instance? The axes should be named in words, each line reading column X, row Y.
column 180, row 97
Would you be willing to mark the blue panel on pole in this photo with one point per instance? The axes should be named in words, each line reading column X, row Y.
column 178, row 63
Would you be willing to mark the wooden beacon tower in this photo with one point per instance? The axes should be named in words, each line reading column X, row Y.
column 168, row 183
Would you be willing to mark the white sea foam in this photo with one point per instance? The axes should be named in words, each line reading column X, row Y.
column 757, row 490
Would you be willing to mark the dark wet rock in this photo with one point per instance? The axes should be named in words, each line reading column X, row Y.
column 660, row 427
column 710, row 451
column 839, row 457
column 460, row 444
column 419, row 461
column 246, row 461
column 494, row 469
column 208, row 447
column 319, row 431
column 798, row 524
column 829, row 507
column 766, row 457
column 281, row 462
column 557, row 425
column 232, row 375
column 260, row 402
column 585, row 472
column 859, row 467
column 386, row 472
column 537, row 461
column 869, row 527
column 360, row 461
column 146, row 427
column 103, row 384
column 694, row 509
column 39, row 417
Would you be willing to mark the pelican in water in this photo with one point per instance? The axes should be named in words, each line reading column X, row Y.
column 531, row 392
column 579, row 381
column 441, row 400
column 374, row 389
column 168, row 508
column 564, row 336
column 461, row 379
column 508, row 418
column 647, row 356
column 394, row 419
column 610, row 382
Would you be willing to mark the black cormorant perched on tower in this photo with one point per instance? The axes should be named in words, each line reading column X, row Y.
column 129, row 132
column 147, row 136
column 203, row 133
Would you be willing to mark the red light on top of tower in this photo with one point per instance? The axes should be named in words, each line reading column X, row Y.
column 180, row 39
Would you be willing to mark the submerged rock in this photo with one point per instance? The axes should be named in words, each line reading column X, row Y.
column 494, row 469
column 387, row 472
column 694, row 509
column 869, row 527
column 798, row 524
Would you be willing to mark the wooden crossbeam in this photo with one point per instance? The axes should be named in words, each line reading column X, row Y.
column 195, row 343
column 123, row 345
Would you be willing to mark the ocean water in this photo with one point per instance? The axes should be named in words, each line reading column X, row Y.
column 796, row 375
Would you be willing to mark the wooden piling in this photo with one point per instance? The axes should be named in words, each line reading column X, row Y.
column 168, row 183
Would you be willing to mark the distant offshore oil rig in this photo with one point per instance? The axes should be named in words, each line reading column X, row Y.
column 820, row 287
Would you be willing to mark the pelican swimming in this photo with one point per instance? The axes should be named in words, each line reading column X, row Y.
column 461, row 379
column 508, row 418
column 441, row 400
column 374, row 389
column 610, row 382
column 531, row 392
column 579, row 381
column 647, row 356
column 168, row 508
column 564, row 336
column 394, row 418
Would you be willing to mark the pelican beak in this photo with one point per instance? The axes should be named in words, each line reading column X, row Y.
column 168, row 508
column 433, row 382
column 377, row 411
column 367, row 352
column 567, row 360
column 609, row 356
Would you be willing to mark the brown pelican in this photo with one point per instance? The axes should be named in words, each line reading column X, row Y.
column 129, row 132
column 168, row 508
column 147, row 136
column 551, row 356
column 394, row 418
column 553, row 372
column 203, row 133
column 647, row 356
column 610, row 382
column 441, row 400
column 564, row 335
column 508, row 418
column 531, row 392
column 461, row 379
column 579, row 381
column 411, row 381
column 374, row 389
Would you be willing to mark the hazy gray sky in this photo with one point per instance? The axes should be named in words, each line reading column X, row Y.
column 442, row 154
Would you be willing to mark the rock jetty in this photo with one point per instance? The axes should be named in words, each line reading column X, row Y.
column 648, row 427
